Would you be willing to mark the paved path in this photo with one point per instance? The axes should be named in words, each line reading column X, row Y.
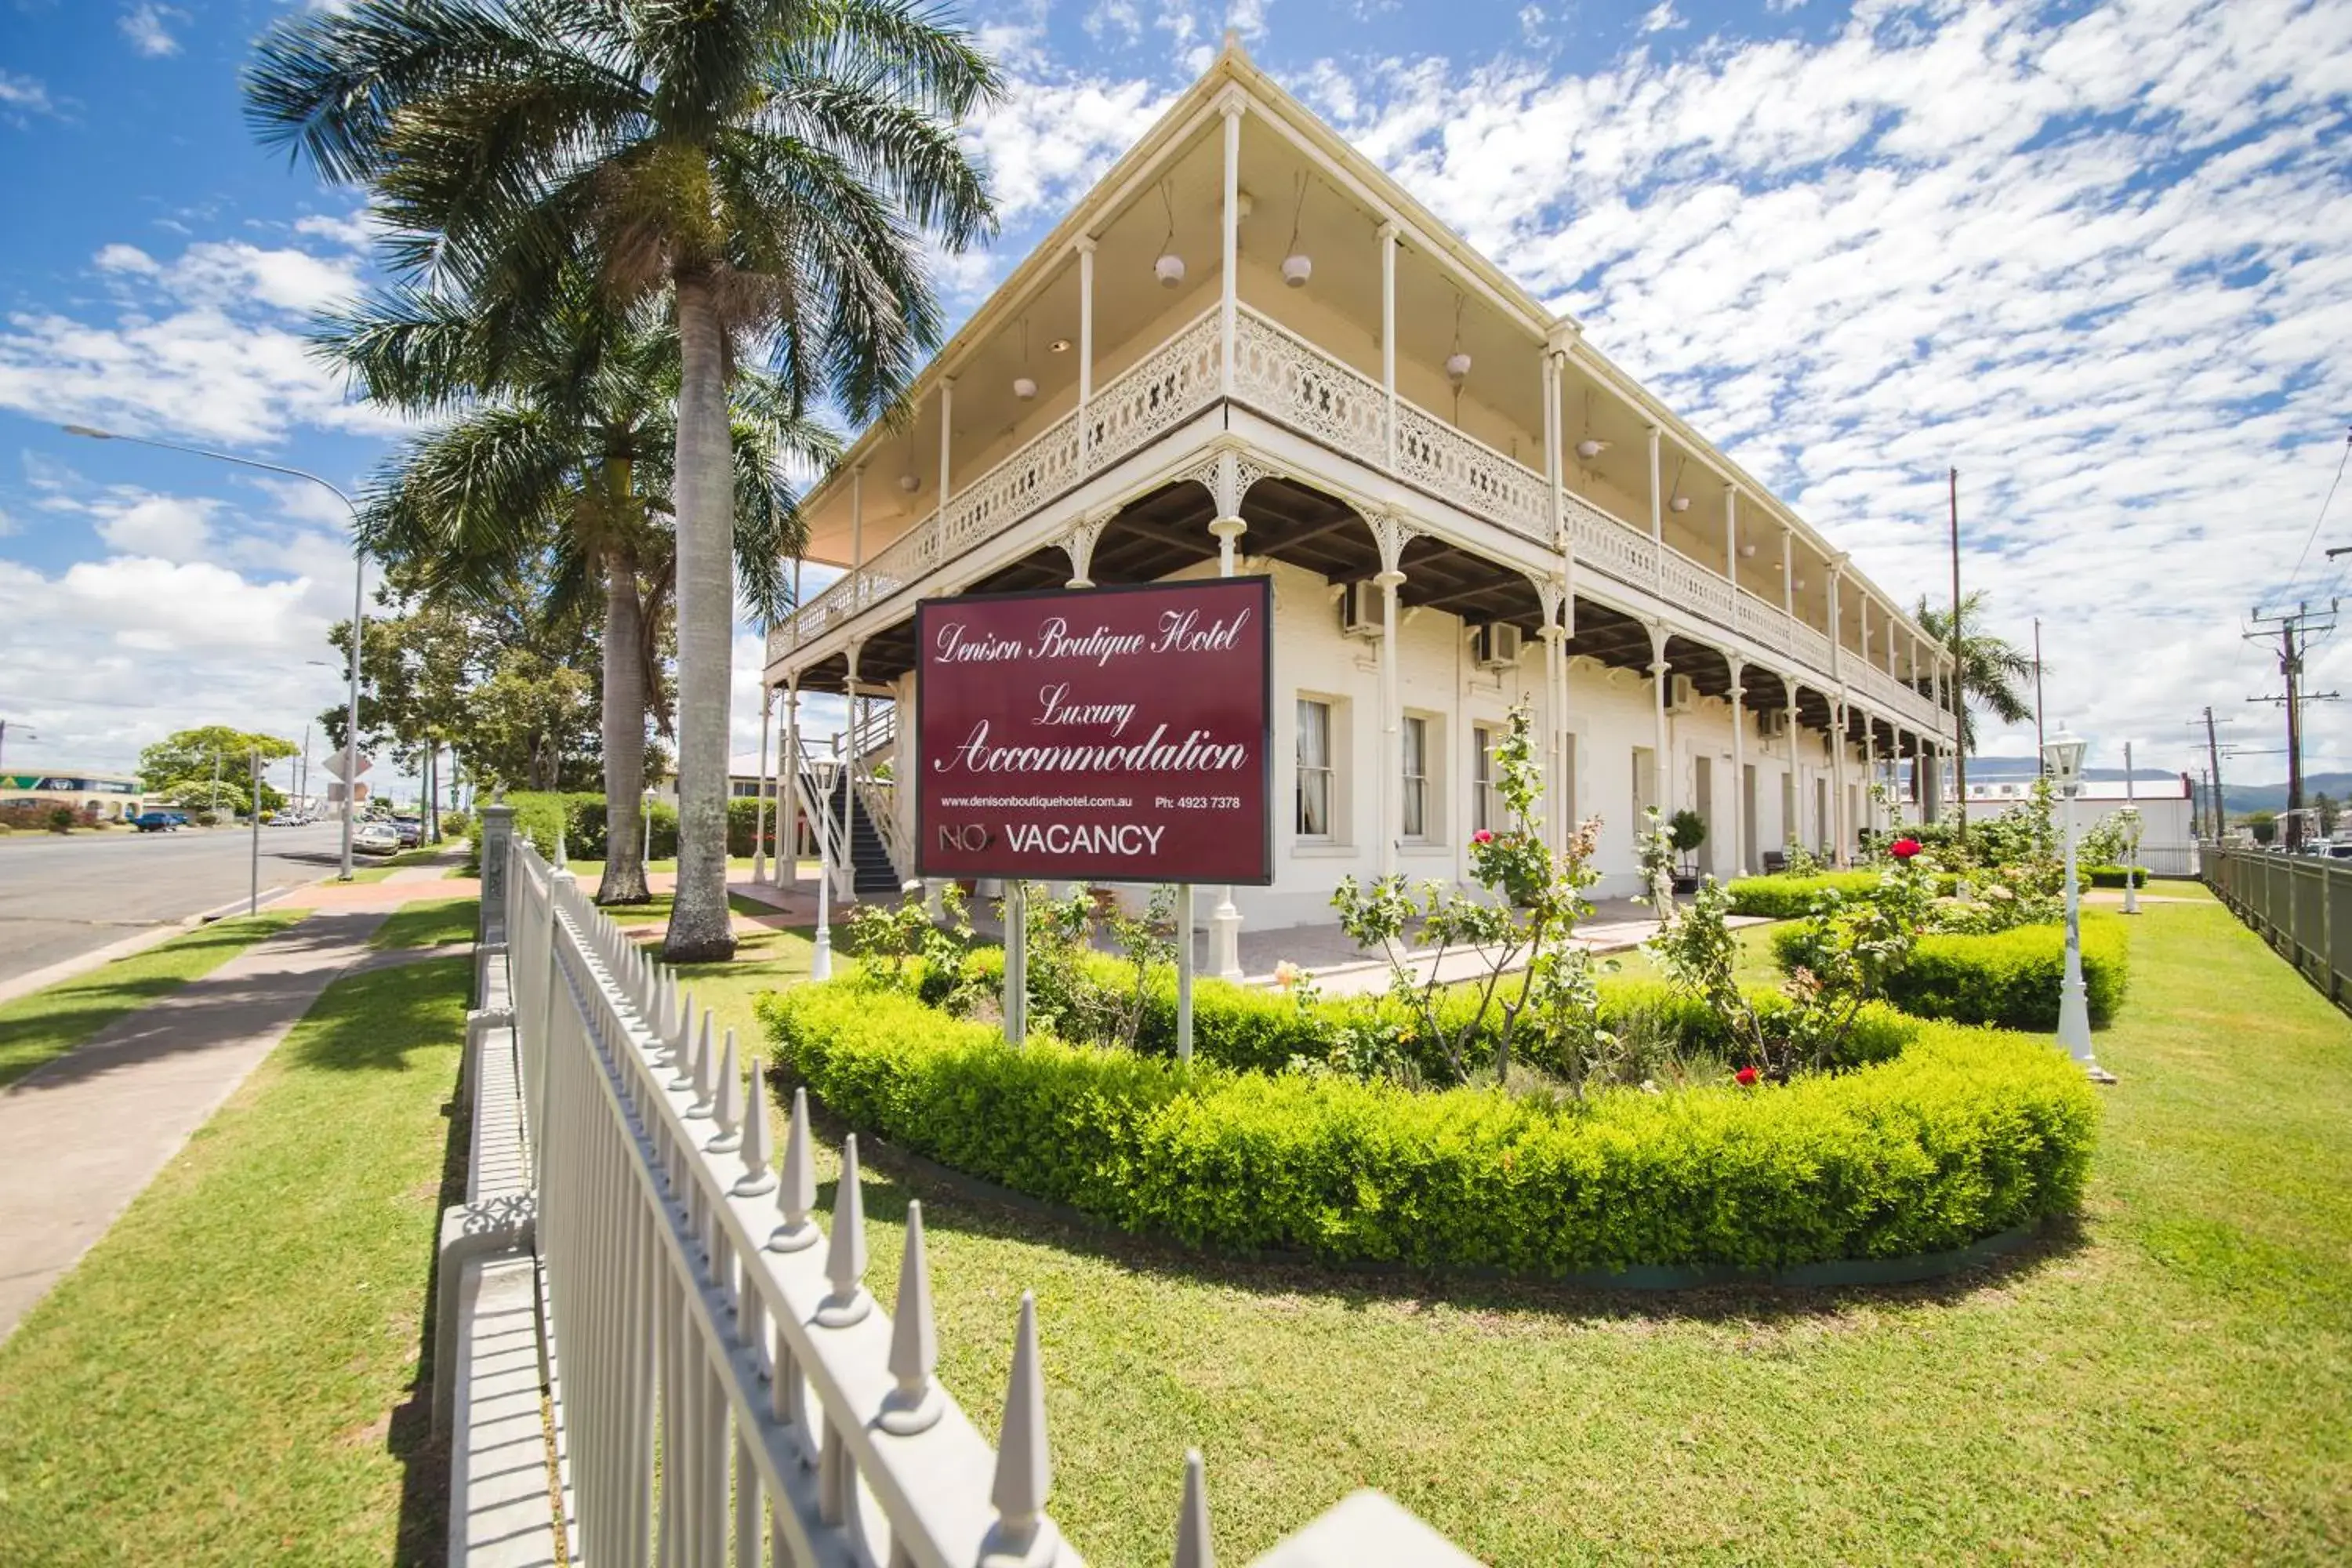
column 70, row 896
column 84, row 1135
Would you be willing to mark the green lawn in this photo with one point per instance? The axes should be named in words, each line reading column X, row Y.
column 49, row 1022
column 375, row 870
column 2173, row 1383
column 429, row 924
column 233, row 1375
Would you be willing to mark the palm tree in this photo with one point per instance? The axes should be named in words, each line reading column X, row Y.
column 1993, row 670
column 550, row 466
column 773, row 167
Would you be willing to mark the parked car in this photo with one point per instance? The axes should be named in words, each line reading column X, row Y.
column 159, row 821
column 376, row 838
column 411, row 830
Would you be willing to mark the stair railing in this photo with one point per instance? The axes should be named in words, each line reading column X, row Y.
column 818, row 772
column 872, row 762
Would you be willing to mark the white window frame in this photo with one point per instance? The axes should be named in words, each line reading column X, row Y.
column 1415, row 799
column 1486, row 801
column 1328, row 769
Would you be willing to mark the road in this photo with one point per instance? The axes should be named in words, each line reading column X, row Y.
column 62, row 896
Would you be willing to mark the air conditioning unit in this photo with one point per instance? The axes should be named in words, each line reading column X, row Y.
column 1359, row 610
column 1496, row 644
column 1682, row 695
column 1773, row 722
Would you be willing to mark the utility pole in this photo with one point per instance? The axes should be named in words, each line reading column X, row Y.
column 22, row 734
column 1959, row 697
column 2213, row 761
column 2293, row 630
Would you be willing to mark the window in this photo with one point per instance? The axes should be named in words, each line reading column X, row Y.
column 1416, row 777
column 1645, row 782
column 1316, row 785
column 1486, row 801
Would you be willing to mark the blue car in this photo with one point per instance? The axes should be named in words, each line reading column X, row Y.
column 159, row 821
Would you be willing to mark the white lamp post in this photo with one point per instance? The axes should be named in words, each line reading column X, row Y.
column 2130, row 816
column 2064, row 753
column 821, row 960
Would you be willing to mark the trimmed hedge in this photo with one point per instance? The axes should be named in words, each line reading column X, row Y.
column 1254, row 1030
column 2009, row 980
column 1966, row 1134
column 1785, row 898
column 2114, row 876
column 581, row 815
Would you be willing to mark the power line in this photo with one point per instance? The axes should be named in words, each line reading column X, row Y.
column 2307, row 538
column 2293, row 630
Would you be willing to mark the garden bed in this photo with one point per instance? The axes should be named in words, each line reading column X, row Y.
column 1962, row 1135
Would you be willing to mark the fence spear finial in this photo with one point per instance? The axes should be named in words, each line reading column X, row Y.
column 727, row 1104
column 796, row 1191
column 844, row 1257
column 683, row 1077
column 562, row 861
column 759, row 1144
column 914, row 1405
column 1192, row 1547
column 706, row 1065
column 1025, row 1468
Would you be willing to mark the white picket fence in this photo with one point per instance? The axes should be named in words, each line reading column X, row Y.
column 727, row 1390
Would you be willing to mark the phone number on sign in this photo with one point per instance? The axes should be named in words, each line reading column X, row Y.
column 1196, row 803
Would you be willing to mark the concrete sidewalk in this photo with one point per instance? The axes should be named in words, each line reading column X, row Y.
column 83, row 1135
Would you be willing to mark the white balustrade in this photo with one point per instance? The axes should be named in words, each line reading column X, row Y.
column 1291, row 381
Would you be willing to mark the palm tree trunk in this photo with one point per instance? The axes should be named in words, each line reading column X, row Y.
column 699, row 927
column 625, row 735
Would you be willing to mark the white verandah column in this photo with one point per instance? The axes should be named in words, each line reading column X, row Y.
column 788, row 805
column 760, row 810
column 1226, row 918
column 1392, row 533
column 1738, row 668
column 1661, row 787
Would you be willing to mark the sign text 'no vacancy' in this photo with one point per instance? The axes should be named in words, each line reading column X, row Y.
column 1101, row 735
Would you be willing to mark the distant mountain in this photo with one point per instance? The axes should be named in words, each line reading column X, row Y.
column 2243, row 798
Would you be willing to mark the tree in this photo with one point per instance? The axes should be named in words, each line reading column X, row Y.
column 2262, row 824
column 1994, row 673
column 184, row 764
column 553, row 461
column 771, row 167
column 2328, row 810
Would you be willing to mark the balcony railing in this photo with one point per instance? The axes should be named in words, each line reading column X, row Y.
column 1288, row 379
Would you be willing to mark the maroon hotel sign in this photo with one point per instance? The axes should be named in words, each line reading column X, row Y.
column 1103, row 735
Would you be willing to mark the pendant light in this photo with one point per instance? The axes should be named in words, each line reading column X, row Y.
column 1680, row 503
column 1170, row 268
column 910, row 481
column 1298, row 267
column 1023, row 387
column 1457, row 363
column 1590, row 448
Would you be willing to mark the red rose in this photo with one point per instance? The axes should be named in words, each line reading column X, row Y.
column 1747, row 1077
column 1903, row 848
column 1482, row 836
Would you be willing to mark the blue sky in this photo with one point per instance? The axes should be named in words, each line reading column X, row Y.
column 2099, row 256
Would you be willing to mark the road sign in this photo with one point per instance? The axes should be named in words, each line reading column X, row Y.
column 334, row 763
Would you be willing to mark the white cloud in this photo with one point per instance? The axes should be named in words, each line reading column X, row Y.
column 146, row 25
column 351, row 229
column 211, row 348
column 22, row 97
column 1049, row 140
column 168, row 528
column 1661, row 18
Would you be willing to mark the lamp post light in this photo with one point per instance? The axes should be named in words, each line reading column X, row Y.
column 2064, row 753
column 359, row 585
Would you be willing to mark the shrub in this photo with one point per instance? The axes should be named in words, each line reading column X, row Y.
column 457, row 823
column 62, row 819
column 1966, row 1133
column 1252, row 1030
column 1792, row 898
column 2009, row 979
column 2114, row 876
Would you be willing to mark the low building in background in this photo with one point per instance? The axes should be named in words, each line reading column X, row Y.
column 2166, row 806
column 96, row 796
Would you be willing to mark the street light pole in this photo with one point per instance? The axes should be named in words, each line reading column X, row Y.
column 359, row 584
column 253, row 896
